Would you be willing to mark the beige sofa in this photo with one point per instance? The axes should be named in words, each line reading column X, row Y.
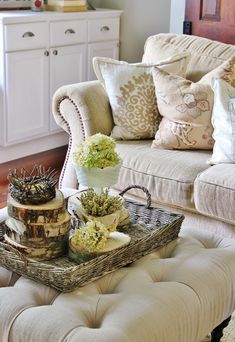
column 178, row 180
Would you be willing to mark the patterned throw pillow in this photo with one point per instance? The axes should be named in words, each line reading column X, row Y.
column 225, row 71
column 186, row 108
column 131, row 94
column 223, row 121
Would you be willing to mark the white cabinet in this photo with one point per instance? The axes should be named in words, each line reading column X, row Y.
column 27, row 95
column 68, row 32
column 100, row 29
column 27, row 36
column 104, row 49
column 67, row 66
column 40, row 52
column 103, row 39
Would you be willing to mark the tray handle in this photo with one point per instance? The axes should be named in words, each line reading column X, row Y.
column 148, row 195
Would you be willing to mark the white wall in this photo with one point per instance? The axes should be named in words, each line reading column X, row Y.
column 139, row 20
column 177, row 16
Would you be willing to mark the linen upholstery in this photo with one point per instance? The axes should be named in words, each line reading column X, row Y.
column 206, row 54
column 188, row 286
column 214, row 192
column 81, row 110
column 164, row 173
column 193, row 218
column 225, row 71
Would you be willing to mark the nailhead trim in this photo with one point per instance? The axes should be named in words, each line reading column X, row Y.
column 69, row 131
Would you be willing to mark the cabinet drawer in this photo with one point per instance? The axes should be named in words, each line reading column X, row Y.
column 25, row 36
column 68, row 32
column 103, row 29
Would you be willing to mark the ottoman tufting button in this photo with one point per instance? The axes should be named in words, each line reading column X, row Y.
column 94, row 325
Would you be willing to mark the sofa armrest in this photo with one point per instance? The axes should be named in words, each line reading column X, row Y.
column 81, row 110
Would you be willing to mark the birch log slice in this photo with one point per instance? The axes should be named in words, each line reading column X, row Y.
column 54, row 249
column 37, row 231
column 49, row 212
column 116, row 240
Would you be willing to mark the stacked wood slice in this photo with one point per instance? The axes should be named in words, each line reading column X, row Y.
column 39, row 231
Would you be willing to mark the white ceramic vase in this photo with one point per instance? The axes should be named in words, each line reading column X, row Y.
column 96, row 177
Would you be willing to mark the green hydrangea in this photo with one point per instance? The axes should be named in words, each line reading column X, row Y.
column 97, row 151
column 92, row 237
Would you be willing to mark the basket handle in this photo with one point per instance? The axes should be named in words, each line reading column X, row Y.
column 148, row 195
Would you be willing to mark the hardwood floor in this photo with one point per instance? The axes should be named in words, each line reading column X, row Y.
column 53, row 158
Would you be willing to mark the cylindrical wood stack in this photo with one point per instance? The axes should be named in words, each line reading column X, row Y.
column 39, row 231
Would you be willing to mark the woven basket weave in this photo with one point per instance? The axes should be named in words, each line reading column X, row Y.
column 149, row 228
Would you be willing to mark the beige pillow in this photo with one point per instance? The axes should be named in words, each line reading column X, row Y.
column 225, row 71
column 131, row 94
column 186, row 108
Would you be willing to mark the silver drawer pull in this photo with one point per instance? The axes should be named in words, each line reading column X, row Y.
column 69, row 31
column 28, row 34
column 104, row 28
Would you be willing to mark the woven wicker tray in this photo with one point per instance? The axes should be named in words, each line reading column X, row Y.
column 149, row 228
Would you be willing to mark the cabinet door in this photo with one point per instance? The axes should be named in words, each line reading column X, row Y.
column 103, row 49
column 26, row 95
column 68, row 65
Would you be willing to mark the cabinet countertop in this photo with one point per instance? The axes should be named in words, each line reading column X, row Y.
column 20, row 16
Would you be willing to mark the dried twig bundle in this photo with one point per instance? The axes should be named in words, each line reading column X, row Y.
column 35, row 187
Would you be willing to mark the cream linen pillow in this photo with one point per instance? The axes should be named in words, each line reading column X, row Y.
column 225, row 71
column 223, row 121
column 186, row 108
column 131, row 93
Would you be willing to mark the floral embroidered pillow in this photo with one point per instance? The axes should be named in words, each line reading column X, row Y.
column 131, row 93
column 186, row 108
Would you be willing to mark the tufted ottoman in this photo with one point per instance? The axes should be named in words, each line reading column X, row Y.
column 178, row 293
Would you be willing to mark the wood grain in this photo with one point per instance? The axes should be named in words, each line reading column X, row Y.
column 213, row 19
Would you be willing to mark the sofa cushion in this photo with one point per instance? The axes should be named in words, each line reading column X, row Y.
column 206, row 54
column 131, row 93
column 168, row 174
column 214, row 192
